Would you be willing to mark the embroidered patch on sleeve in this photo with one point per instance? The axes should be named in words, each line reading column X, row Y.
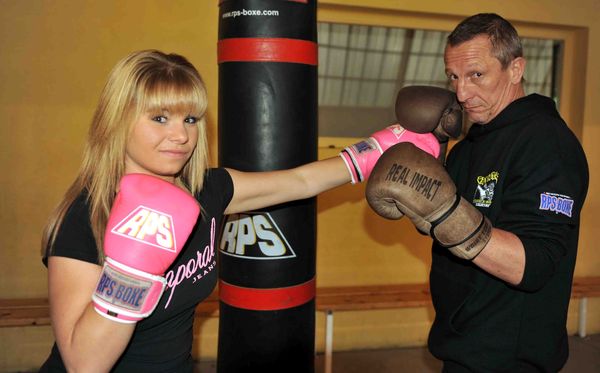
column 558, row 203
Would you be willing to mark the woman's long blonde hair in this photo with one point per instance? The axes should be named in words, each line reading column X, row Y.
column 143, row 81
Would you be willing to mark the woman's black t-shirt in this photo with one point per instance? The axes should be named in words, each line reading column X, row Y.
column 162, row 342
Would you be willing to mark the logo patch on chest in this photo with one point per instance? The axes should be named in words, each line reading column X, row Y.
column 484, row 191
column 558, row 203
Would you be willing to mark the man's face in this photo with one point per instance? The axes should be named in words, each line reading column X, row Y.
column 482, row 87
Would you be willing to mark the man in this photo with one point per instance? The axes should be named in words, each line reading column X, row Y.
column 504, row 250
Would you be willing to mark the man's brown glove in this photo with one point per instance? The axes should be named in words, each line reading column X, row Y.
column 408, row 181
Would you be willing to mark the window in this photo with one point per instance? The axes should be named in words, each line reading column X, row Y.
column 361, row 68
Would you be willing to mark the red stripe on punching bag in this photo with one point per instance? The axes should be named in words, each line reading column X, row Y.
column 268, row 50
column 267, row 299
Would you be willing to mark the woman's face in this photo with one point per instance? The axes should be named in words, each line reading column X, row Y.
column 161, row 144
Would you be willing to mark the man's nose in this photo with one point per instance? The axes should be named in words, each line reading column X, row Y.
column 462, row 90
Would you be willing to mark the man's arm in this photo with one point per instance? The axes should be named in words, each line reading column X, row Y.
column 503, row 257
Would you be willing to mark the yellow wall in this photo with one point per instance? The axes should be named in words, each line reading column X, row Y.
column 54, row 58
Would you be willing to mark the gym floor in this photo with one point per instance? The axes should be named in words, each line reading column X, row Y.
column 584, row 358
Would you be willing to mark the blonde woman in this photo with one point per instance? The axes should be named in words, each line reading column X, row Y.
column 150, row 121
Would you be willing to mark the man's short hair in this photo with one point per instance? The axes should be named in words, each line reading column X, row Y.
column 506, row 44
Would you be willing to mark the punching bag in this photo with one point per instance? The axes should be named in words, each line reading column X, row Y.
column 267, row 53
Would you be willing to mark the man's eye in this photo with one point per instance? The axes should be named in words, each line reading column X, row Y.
column 477, row 75
column 452, row 77
column 191, row 120
column 160, row 119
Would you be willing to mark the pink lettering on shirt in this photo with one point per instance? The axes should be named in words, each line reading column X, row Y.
column 202, row 261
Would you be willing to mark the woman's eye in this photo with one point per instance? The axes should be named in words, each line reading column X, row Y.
column 160, row 119
column 191, row 120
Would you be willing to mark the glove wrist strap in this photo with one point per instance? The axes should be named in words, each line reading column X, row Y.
column 125, row 294
column 445, row 216
column 351, row 166
column 483, row 229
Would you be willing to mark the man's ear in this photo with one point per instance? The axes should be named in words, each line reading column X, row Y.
column 517, row 69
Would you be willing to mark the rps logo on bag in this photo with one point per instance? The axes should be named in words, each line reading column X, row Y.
column 148, row 226
column 254, row 236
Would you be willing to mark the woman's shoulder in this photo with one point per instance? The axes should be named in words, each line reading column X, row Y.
column 217, row 190
column 216, row 175
column 217, row 181
column 75, row 238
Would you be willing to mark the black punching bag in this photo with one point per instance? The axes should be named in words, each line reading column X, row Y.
column 267, row 55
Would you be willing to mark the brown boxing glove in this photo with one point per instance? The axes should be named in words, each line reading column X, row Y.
column 424, row 109
column 408, row 181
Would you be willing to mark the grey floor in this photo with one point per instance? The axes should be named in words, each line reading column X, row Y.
column 584, row 358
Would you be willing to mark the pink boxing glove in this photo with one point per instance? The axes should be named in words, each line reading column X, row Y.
column 361, row 157
column 149, row 223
